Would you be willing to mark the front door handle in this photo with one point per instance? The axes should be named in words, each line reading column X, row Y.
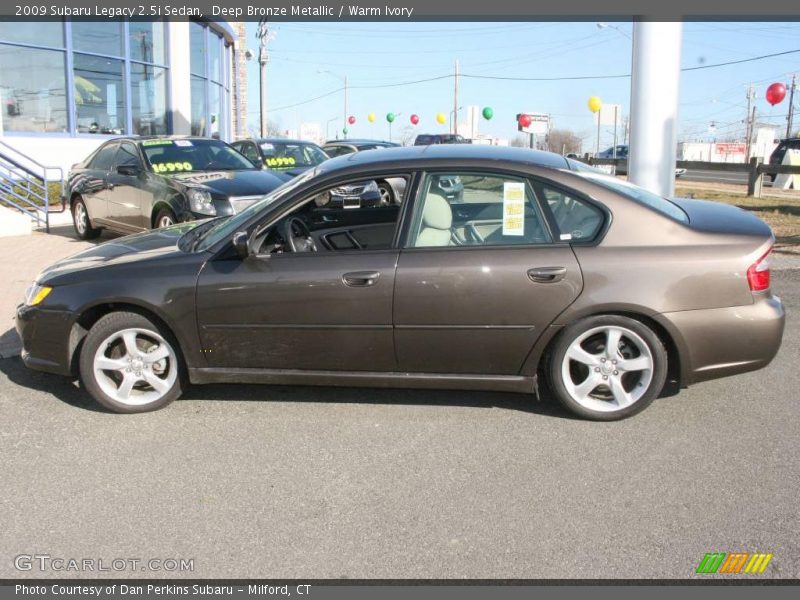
column 547, row 274
column 360, row 278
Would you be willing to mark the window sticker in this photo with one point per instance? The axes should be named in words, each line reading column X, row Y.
column 280, row 162
column 267, row 147
column 513, row 208
column 184, row 143
column 172, row 167
column 565, row 237
column 148, row 143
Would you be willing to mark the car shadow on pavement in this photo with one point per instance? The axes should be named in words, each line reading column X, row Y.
column 69, row 392
column 68, row 231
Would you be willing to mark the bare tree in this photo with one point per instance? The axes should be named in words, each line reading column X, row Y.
column 563, row 141
column 520, row 141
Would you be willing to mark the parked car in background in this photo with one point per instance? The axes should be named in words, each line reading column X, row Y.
column 551, row 275
column 621, row 152
column 426, row 139
column 281, row 154
column 776, row 158
column 132, row 184
column 391, row 190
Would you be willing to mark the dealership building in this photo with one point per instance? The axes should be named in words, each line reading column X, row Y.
column 65, row 87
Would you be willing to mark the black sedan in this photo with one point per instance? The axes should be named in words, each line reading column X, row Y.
column 133, row 184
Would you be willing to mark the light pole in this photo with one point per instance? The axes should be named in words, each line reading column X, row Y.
column 264, row 36
column 344, row 80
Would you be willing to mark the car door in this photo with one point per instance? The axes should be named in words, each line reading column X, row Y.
column 478, row 280
column 129, row 203
column 329, row 310
column 94, row 187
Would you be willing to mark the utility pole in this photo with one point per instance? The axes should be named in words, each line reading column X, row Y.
column 751, row 92
column 344, row 119
column 455, row 102
column 264, row 36
column 790, row 116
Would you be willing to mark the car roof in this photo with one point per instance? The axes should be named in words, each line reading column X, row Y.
column 358, row 142
column 277, row 140
column 443, row 154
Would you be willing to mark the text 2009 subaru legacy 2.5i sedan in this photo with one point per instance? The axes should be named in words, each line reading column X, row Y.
column 544, row 271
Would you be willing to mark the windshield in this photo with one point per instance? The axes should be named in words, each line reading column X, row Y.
column 286, row 155
column 188, row 155
column 629, row 190
column 225, row 228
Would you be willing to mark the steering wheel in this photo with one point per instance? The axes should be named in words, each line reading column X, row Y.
column 297, row 234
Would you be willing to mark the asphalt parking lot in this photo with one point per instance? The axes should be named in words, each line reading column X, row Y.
column 274, row 481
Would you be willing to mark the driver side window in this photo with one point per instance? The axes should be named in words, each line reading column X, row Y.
column 351, row 215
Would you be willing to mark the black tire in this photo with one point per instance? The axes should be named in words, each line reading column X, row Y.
column 81, row 221
column 387, row 194
column 555, row 367
column 163, row 214
column 98, row 335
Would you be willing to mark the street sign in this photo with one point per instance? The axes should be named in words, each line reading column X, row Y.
column 540, row 123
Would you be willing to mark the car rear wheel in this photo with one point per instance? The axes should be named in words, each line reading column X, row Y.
column 81, row 222
column 607, row 367
column 129, row 365
column 165, row 218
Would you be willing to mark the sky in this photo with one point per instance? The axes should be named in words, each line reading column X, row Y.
column 381, row 59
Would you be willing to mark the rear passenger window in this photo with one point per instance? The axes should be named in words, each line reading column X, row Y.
column 577, row 220
column 470, row 209
column 104, row 157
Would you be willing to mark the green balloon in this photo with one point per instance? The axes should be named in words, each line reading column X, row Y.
column 488, row 113
column 390, row 117
column 344, row 131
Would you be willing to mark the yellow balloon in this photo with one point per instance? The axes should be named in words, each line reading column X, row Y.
column 595, row 104
column 440, row 118
column 371, row 117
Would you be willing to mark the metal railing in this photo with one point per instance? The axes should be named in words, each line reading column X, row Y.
column 25, row 185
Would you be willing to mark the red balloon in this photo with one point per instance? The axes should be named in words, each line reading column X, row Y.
column 351, row 119
column 414, row 119
column 525, row 120
column 776, row 93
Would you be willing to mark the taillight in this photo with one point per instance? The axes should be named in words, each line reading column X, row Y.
column 758, row 273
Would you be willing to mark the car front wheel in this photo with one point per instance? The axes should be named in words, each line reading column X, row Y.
column 81, row 222
column 129, row 365
column 607, row 367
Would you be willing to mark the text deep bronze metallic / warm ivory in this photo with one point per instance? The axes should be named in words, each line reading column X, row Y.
column 498, row 269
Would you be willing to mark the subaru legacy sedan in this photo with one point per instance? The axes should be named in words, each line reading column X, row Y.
column 546, row 274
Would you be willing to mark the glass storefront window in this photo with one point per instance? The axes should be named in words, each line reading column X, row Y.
column 98, row 37
column 38, row 33
column 197, row 49
column 32, row 90
column 199, row 106
column 99, row 95
column 147, row 42
column 148, row 99
column 215, row 52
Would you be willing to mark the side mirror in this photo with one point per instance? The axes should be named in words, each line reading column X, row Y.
column 241, row 243
column 129, row 170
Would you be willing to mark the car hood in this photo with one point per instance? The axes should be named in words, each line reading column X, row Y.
column 139, row 247
column 234, row 183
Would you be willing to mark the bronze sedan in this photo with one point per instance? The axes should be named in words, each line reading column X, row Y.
column 544, row 272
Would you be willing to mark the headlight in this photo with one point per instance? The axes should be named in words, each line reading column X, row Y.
column 200, row 202
column 372, row 186
column 36, row 293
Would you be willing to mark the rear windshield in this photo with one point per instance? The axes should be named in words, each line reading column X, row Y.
column 285, row 155
column 634, row 192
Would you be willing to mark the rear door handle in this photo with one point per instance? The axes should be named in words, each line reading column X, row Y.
column 547, row 274
column 360, row 278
